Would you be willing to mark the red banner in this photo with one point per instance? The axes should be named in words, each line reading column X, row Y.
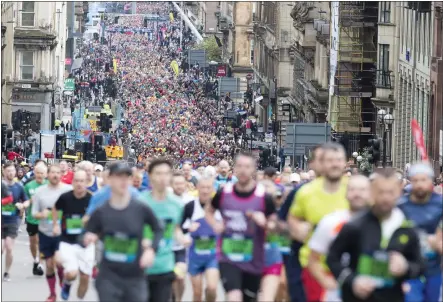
column 419, row 139
column 221, row 70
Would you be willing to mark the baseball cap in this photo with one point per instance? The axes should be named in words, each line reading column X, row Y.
column 98, row 168
column 295, row 177
column 120, row 168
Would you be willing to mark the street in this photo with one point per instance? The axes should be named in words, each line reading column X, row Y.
column 26, row 287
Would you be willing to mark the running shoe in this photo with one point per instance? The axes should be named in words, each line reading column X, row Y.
column 37, row 270
column 51, row 298
column 6, row 277
column 65, row 291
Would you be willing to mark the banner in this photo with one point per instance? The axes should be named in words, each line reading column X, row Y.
column 171, row 17
column 174, row 66
column 419, row 140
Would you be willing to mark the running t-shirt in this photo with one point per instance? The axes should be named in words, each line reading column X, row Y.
column 30, row 189
column 9, row 210
column 73, row 210
column 45, row 198
column 169, row 212
column 312, row 203
column 122, row 231
column 67, row 178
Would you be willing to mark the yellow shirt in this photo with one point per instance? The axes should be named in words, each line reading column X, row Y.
column 312, row 203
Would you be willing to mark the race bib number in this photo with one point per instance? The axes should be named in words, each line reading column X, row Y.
column 74, row 225
column 59, row 215
column 168, row 232
column 376, row 266
column 278, row 241
column 120, row 248
column 204, row 245
column 426, row 249
column 9, row 209
column 285, row 245
column 238, row 248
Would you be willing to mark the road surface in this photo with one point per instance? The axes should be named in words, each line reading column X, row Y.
column 26, row 287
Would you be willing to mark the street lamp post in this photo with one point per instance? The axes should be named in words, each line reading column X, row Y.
column 386, row 120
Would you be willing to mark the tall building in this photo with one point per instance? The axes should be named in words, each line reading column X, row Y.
column 33, row 60
column 435, row 142
column 273, row 71
column 415, row 31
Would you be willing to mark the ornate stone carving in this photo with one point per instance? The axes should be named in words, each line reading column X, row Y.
column 300, row 14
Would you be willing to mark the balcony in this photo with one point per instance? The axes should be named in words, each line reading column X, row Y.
column 384, row 92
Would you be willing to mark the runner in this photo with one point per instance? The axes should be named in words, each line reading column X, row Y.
column 242, row 239
column 122, row 223
column 10, row 213
column 358, row 195
column 178, row 185
column 187, row 171
column 291, row 260
column 43, row 201
column 223, row 176
column 202, row 257
column 382, row 247
column 436, row 241
column 67, row 174
column 73, row 257
column 312, row 202
column 40, row 173
column 93, row 181
column 424, row 207
column 167, row 208
column 270, row 282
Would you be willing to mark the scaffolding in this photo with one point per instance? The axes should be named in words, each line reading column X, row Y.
column 355, row 69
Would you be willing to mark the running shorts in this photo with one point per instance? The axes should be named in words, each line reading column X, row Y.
column 314, row 291
column 180, row 256
column 111, row 287
column 160, row 287
column 10, row 230
column 274, row 269
column 197, row 266
column 32, row 229
column 234, row 278
column 47, row 245
column 74, row 257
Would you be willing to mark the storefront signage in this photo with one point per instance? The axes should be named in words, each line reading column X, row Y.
column 221, row 70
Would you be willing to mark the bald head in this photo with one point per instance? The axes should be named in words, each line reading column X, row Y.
column 223, row 168
column 79, row 182
column 40, row 172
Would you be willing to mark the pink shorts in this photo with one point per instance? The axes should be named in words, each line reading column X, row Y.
column 274, row 269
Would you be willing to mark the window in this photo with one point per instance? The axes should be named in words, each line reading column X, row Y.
column 383, row 72
column 27, row 65
column 385, row 12
column 28, row 14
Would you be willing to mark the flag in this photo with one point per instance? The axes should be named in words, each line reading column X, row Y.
column 171, row 17
column 114, row 63
column 174, row 66
column 419, row 140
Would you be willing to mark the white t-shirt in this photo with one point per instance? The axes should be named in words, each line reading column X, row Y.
column 327, row 230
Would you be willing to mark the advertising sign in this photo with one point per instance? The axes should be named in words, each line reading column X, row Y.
column 68, row 61
column 69, row 84
column 221, row 70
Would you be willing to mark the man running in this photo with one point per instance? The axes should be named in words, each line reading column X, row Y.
column 241, row 258
column 93, row 181
column 358, row 195
column 381, row 247
column 10, row 212
column 67, row 174
column 187, row 171
column 312, row 202
column 202, row 257
column 223, row 176
column 130, row 233
column 40, row 173
column 168, row 209
column 179, row 188
column 424, row 207
column 73, row 257
column 43, row 201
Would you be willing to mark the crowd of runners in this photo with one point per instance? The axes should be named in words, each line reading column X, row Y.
column 194, row 207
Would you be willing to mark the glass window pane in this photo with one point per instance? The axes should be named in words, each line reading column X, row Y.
column 27, row 19
column 27, row 72
column 28, row 7
column 27, row 58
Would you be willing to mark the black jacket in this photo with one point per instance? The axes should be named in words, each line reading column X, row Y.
column 361, row 239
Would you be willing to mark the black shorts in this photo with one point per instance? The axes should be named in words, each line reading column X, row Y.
column 160, row 287
column 47, row 245
column 32, row 229
column 10, row 230
column 180, row 256
column 234, row 278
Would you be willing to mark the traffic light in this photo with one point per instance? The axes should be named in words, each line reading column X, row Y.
column 59, row 145
column 101, row 123
column 374, row 150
